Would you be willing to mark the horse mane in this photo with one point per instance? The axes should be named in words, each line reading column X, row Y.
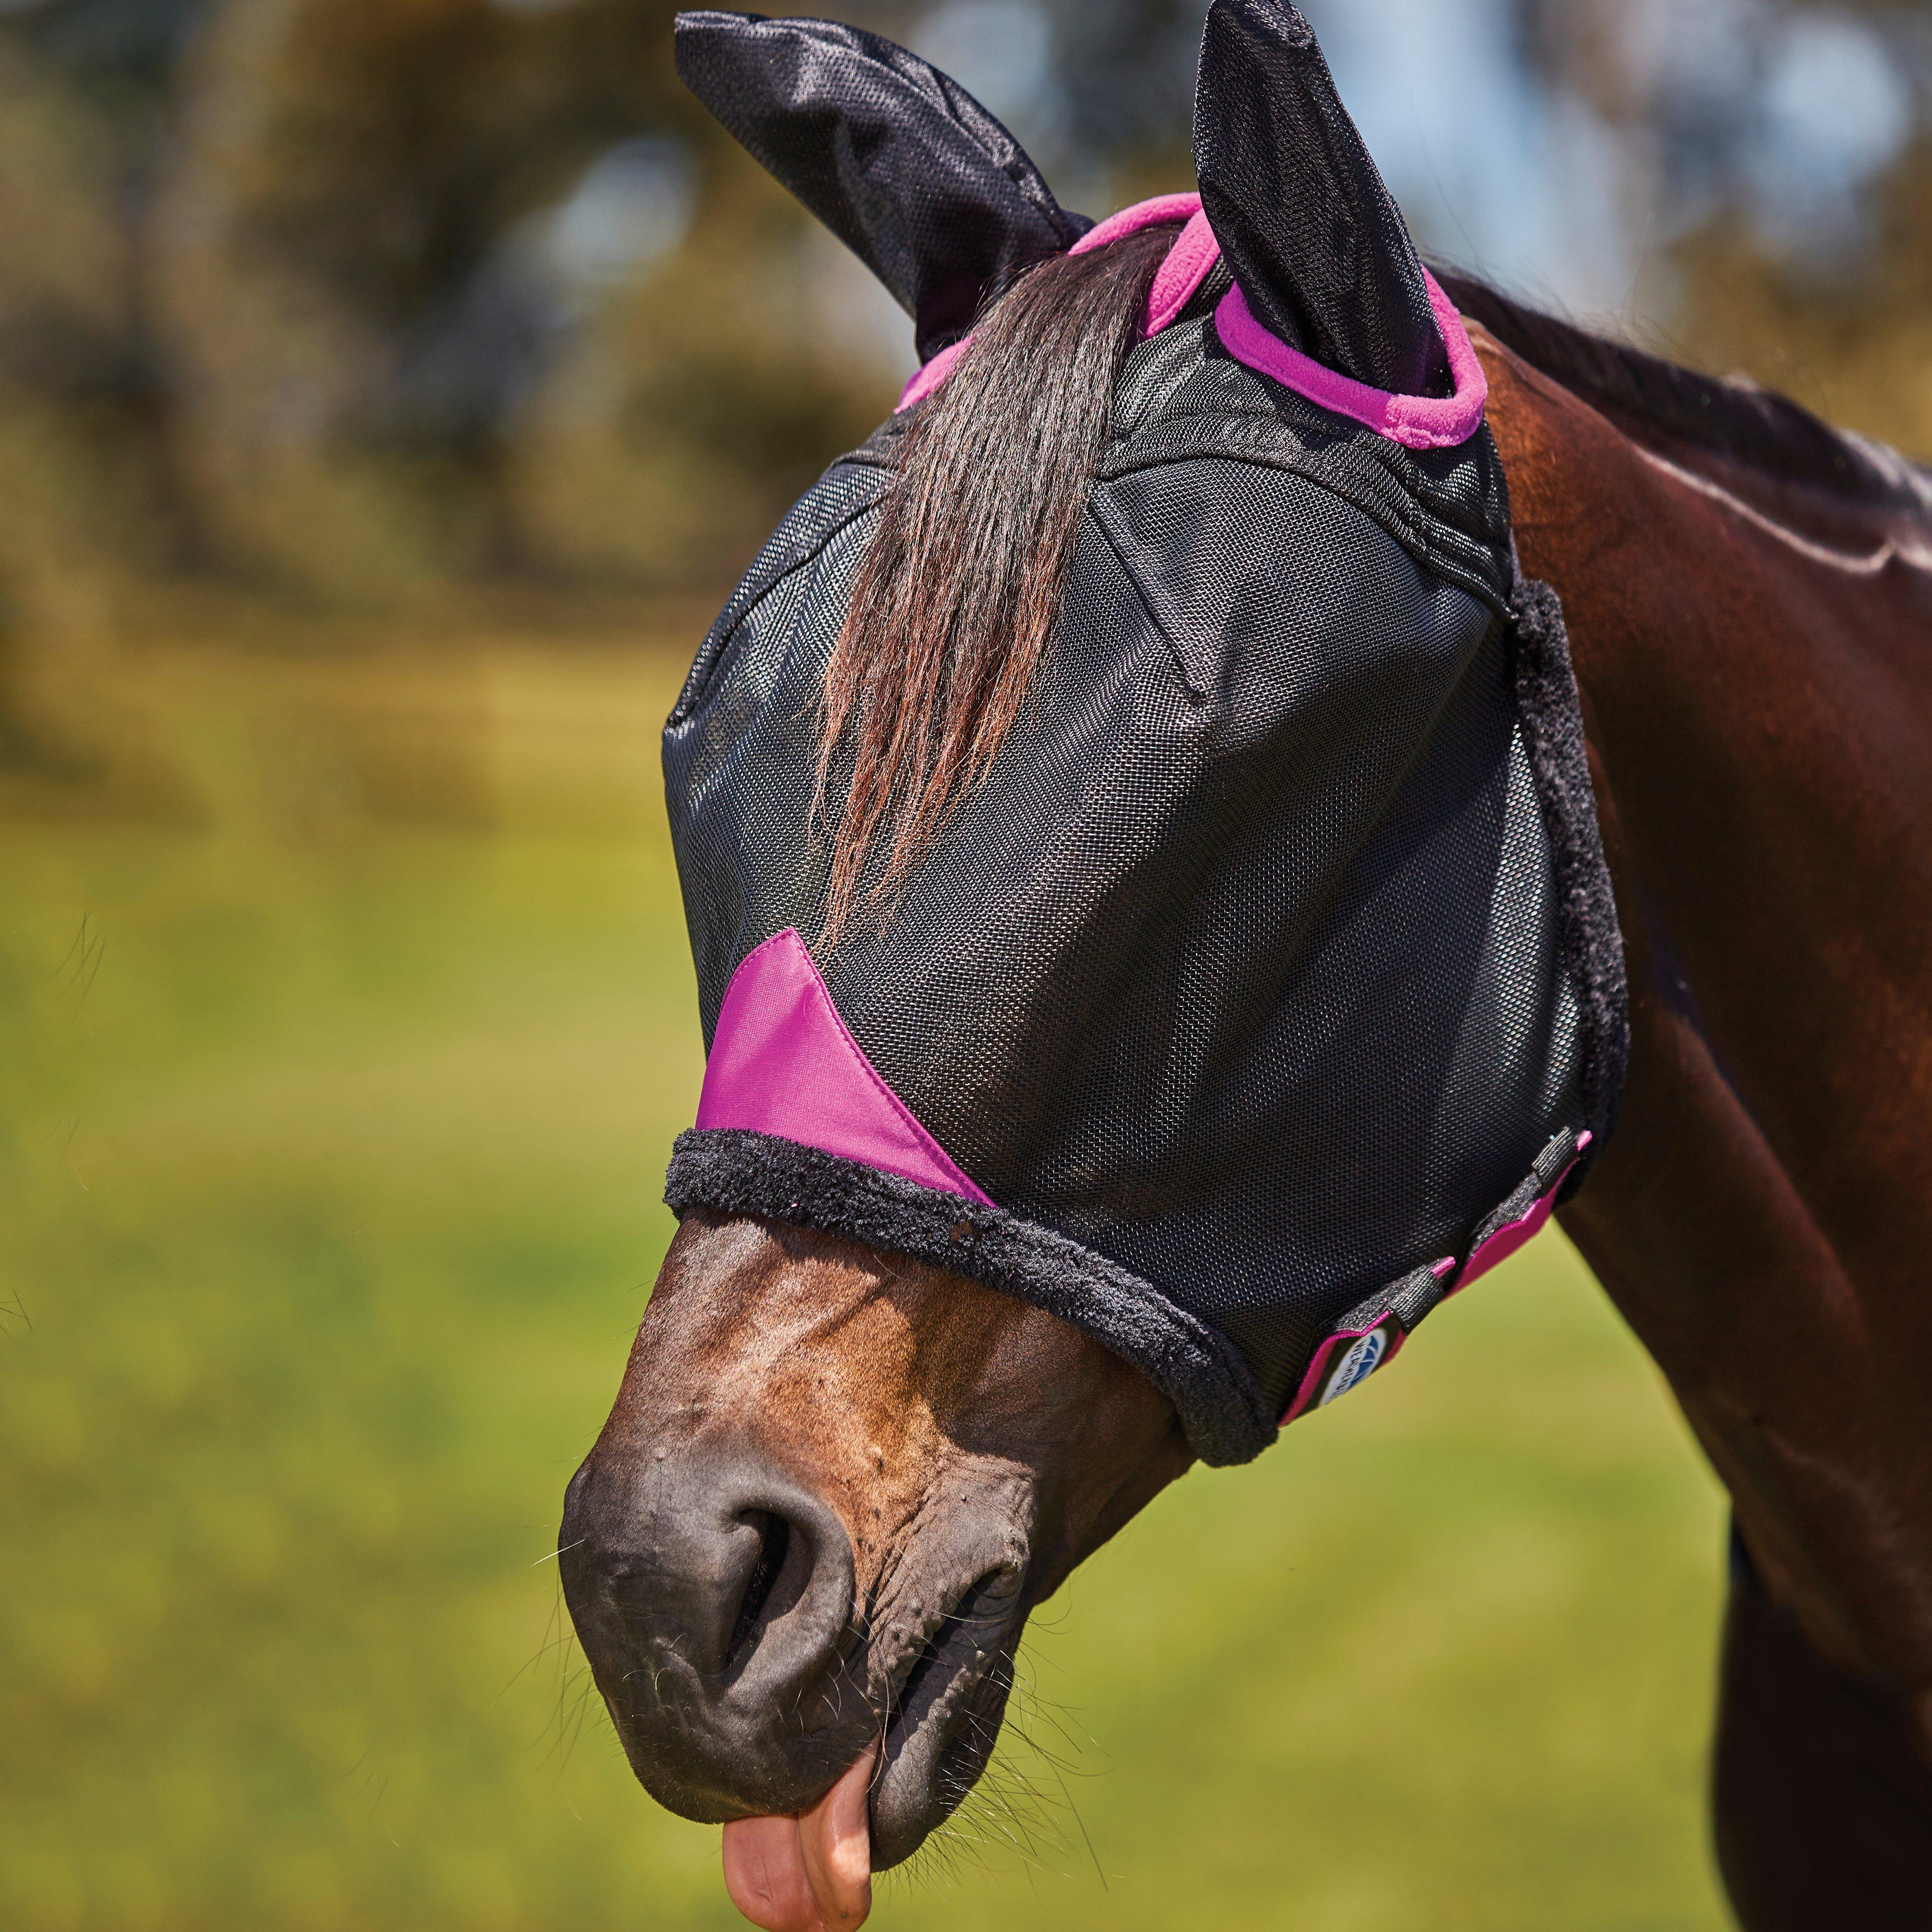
column 1753, row 426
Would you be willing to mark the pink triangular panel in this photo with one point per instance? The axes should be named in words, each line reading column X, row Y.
column 784, row 1062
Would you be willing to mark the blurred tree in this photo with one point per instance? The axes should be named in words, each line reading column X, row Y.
column 695, row 404
column 1855, row 346
column 1129, row 83
column 368, row 255
column 71, row 391
column 1785, row 201
column 359, row 297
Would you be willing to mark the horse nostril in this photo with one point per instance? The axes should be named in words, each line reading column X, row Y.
column 775, row 1541
column 713, row 1596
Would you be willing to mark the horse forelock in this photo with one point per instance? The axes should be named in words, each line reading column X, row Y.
column 959, row 591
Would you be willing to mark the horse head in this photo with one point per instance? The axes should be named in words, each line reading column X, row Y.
column 1069, row 804
column 834, row 1485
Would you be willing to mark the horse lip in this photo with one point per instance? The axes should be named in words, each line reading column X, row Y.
column 988, row 1599
column 933, row 1690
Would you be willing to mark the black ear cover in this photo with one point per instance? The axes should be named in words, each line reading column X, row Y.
column 1314, row 238
column 899, row 161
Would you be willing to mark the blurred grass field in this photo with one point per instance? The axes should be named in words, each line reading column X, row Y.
column 336, row 1101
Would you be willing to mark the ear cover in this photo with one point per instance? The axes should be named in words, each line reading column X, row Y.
column 897, row 159
column 1316, row 242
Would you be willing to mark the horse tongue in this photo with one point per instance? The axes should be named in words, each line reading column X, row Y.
column 809, row 1874
column 764, row 1873
column 836, row 1836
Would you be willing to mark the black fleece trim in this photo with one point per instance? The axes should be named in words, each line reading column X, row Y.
column 732, row 1171
column 1592, row 940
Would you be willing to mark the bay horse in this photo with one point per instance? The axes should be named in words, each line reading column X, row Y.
column 837, row 1479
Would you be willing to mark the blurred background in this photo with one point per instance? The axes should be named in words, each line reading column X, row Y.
column 389, row 389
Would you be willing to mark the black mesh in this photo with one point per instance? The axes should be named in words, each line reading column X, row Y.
column 897, row 159
column 1245, row 970
column 1315, row 241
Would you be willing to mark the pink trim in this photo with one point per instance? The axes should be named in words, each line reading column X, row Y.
column 1132, row 220
column 1417, row 422
column 1194, row 252
column 784, row 1062
column 1317, row 1370
column 930, row 375
column 1518, row 1233
column 1189, row 261
column 1500, row 1246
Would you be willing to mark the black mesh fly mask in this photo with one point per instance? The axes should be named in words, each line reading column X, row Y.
column 1265, row 989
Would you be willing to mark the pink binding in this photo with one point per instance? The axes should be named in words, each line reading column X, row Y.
column 1324, row 1356
column 1417, row 422
column 1518, row 1233
column 783, row 1062
column 1497, row 1248
column 1194, row 253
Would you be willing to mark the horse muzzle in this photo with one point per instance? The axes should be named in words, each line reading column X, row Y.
column 744, row 1669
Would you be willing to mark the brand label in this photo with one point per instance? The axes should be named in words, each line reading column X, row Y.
column 1359, row 1360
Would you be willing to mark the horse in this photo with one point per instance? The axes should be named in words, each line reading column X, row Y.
column 839, row 1475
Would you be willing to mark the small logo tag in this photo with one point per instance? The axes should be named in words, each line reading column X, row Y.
column 1359, row 1361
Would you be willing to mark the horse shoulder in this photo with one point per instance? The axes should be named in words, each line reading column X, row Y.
column 1755, row 678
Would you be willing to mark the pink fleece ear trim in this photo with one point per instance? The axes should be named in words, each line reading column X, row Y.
column 1194, row 252
column 783, row 1062
column 929, row 375
column 1417, row 422
column 1132, row 220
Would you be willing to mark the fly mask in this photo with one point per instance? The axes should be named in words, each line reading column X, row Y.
column 1266, row 989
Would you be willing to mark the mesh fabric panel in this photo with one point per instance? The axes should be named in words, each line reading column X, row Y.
column 1242, row 968
column 897, row 159
column 1315, row 240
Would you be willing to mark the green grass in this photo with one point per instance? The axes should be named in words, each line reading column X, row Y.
column 330, row 1141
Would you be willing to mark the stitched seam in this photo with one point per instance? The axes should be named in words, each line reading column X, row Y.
column 1409, row 533
column 1189, row 683
column 902, row 1112
column 745, row 600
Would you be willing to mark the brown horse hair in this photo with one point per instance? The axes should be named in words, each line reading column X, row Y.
column 958, row 594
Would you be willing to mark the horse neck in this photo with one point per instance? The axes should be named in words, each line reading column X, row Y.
column 1756, row 663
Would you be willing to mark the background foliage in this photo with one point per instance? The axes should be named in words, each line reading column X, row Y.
column 388, row 389
column 333, row 1126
